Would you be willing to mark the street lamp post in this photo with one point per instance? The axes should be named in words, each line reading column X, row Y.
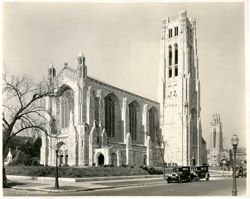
column 234, row 141
column 56, row 177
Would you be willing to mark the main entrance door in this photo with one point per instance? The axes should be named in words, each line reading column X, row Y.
column 100, row 160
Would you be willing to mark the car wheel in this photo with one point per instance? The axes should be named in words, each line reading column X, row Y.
column 168, row 181
column 180, row 180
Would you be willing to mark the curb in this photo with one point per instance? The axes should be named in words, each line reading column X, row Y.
column 85, row 189
column 60, row 190
column 63, row 179
column 89, row 189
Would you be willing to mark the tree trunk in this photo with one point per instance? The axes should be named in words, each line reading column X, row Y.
column 5, row 144
column 5, row 183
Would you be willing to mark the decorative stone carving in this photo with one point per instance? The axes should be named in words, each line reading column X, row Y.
column 149, row 152
column 104, row 138
column 129, row 150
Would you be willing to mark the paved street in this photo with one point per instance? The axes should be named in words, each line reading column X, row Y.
column 222, row 187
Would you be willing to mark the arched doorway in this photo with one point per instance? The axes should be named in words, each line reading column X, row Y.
column 114, row 159
column 62, row 154
column 100, row 160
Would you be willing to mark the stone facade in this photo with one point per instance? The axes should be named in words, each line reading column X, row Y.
column 179, row 92
column 99, row 124
column 216, row 146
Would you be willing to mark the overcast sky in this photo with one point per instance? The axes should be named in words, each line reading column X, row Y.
column 121, row 43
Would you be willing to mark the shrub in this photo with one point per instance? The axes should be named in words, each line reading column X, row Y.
column 152, row 170
column 145, row 168
column 68, row 171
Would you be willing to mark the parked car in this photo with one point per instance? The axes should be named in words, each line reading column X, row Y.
column 244, row 173
column 240, row 172
column 180, row 174
column 201, row 172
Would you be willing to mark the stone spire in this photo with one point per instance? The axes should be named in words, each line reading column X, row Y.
column 82, row 69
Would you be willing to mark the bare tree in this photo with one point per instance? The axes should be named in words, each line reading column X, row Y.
column 24, row 108
column 162, row 146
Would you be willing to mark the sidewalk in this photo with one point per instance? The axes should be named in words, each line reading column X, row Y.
column 216, row 173
column 47, row 184
column 91, row 184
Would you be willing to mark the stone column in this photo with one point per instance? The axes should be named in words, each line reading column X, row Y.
column 149, row 152
column 119, row 163
column 198, row 142
column 52, row 148
column 189, row 149
column 80, row 102
column 72, row 143
column 81, row 145
column 145, row 122
column 92, row 142
column 104, row 138
column 101, row 107
column 129, row 150
column 124, row 118
column 44, row 150
column 88, row 104
column 77, row 96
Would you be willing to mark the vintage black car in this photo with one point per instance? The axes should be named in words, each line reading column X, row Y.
column 240, row 172
column 201, row 172
column 180, row 174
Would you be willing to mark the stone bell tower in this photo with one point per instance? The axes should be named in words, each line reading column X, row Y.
column 179, row 91
column 217, row 140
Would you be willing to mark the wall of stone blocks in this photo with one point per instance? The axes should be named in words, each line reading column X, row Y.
column 157, row 159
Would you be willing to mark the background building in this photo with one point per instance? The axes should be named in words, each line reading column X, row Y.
column 179, row 92
column 216, row 145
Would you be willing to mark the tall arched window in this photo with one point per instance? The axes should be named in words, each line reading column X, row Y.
column 170, row 56
column 96, row 105
column 175, row 54
column 113, row 123
column 133, row 120
column 214, row 138
column 110, row 116
column 63, row 104
column 153, row 123
column 176, row 60
column 67, row 107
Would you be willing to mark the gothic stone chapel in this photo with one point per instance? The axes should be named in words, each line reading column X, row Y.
column 98, row 124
